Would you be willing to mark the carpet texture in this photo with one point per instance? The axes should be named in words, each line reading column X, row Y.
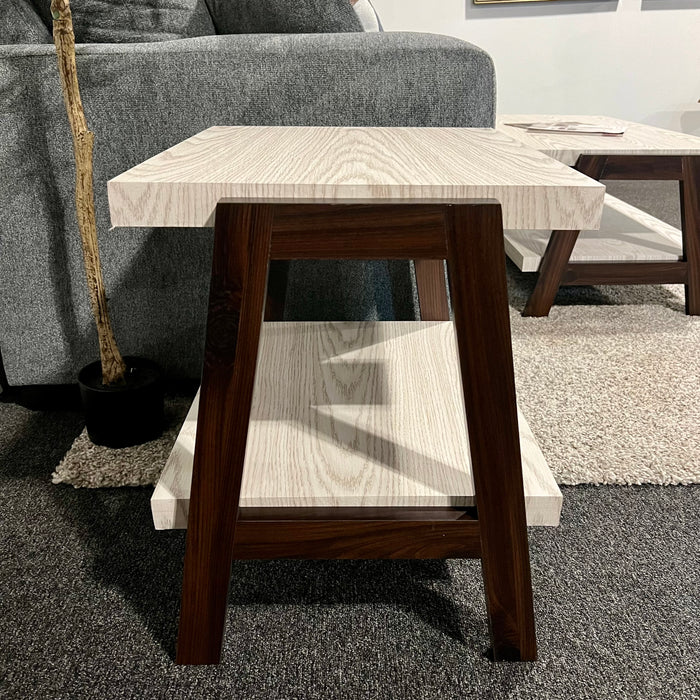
column 89, row 600
column 87, row 465
column 612, row 392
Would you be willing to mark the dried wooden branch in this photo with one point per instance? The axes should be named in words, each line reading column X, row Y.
column 113, row 366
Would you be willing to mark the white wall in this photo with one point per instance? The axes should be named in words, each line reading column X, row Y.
column 635, row 59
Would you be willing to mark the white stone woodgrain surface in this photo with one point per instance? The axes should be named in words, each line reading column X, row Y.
column 638, row 139
column 182, row 185
column 626, row 234
column 356, row 414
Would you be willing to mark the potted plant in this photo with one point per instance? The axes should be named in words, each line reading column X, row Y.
column 122, row 397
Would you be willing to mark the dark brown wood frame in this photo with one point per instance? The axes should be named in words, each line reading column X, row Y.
column 470, row 237
column 556, row 270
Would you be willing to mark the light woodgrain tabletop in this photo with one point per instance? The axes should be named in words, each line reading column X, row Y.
column 181, row 186
column 638, row 139
column 356, row 414
column 626, row 234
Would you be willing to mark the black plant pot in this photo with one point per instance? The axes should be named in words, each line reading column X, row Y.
column 123, row 415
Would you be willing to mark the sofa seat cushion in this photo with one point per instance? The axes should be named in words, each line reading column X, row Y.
column 283, row 16
column 20, row 24
column 128, row 21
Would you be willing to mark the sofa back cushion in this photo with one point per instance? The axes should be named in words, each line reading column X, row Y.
column 283, row 16
column 124, row 21
column 20, row 24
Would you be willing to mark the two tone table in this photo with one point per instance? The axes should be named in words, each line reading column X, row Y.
column 356, row 440
column 631, row 247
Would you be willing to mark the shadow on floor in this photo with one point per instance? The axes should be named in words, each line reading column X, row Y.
column 404, row 584
column 521, row 285
column 145, row 565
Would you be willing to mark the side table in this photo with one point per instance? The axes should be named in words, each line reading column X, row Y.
column 642, row 153
column 279, row 193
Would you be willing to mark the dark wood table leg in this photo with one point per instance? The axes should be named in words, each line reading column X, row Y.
column 236, row 300
column 561, row 245
column 476, row 265
column 551, row 271
column 690, row 216
column 432, row 290
column 276, row 290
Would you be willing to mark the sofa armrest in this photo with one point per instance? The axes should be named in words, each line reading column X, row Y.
column 389, row 79
column 386, row 79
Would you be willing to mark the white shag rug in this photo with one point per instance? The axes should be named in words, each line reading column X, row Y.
column 87, row 465
column 609, row 383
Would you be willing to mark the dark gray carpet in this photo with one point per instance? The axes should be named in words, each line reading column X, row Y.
column 89, row 596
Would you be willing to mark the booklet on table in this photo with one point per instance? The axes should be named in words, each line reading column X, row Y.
column 574, row 128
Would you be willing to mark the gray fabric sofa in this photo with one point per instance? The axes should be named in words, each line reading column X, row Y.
column 143, row 97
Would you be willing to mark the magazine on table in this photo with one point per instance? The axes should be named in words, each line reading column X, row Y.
column 574, row 128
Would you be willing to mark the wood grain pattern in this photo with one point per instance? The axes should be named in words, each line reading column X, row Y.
column 404, row 513
column 626, row 234
column 690, row 215
column 559, row 249
column 479, row 296
column 584, row 274
column 181, row 186
column 236, row 301
column 359, row 231
column 649, row 167
column 345, row 414
column 638, row 139
column 643, row 153
column 432, row 290
column 277, row 279
column 357, row 539
column 551, row 272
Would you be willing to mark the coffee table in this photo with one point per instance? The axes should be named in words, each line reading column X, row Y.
column 367, row 193
column 649, row 252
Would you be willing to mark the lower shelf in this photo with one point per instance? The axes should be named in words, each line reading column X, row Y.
column 626, row 234
column 355, row 415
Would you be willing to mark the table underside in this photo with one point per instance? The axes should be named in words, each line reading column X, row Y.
column 626, row 234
